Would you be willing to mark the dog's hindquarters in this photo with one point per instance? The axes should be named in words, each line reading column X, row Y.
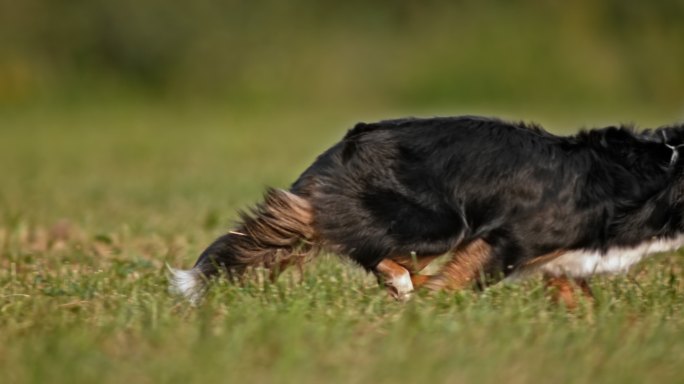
column 275, row 234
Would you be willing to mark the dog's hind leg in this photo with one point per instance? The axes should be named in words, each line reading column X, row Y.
column 466, row 267
column 566, row 289
column 395, row 278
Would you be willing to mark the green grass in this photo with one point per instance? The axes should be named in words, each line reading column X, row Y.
column 94, row 200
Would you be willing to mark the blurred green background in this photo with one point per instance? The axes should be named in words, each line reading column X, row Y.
column 439, row 56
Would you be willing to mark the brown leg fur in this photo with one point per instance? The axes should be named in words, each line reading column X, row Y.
column 565, row 290
column 420, row 280
column 415, row 266
column 464, row 268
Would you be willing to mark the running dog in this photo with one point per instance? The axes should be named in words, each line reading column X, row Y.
column 504, row 199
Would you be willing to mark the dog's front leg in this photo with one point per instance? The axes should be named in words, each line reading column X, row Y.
column 566, row 289
column 395, row 278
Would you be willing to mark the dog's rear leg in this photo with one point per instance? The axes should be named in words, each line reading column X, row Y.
column 395, row 278
column 566, row 289
column 465, row 267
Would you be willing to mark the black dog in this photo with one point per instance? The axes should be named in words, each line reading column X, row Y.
column 504, row 198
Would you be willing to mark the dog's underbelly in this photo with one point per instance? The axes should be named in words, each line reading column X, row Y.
column 584, row 263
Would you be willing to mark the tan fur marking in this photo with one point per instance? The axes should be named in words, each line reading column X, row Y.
column 464, row 268
column 275, row 234
column 565, row 290
column 419, row 280
column 414, row 265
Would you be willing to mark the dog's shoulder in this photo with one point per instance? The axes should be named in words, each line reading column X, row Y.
column 669, row 134
column 626, row 145
column 612, row 136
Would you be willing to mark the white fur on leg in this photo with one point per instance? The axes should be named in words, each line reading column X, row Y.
column 401, row 286
column 186, row 283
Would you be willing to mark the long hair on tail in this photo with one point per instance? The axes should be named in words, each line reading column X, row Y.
column 275, row 234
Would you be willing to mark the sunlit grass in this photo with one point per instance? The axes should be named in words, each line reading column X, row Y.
column 94, row 203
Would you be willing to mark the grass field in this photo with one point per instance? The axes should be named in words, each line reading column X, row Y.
column 94, row 200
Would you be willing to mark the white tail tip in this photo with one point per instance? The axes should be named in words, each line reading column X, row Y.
column 186, row 283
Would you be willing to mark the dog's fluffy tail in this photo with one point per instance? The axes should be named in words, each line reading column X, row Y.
column 275, row 234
